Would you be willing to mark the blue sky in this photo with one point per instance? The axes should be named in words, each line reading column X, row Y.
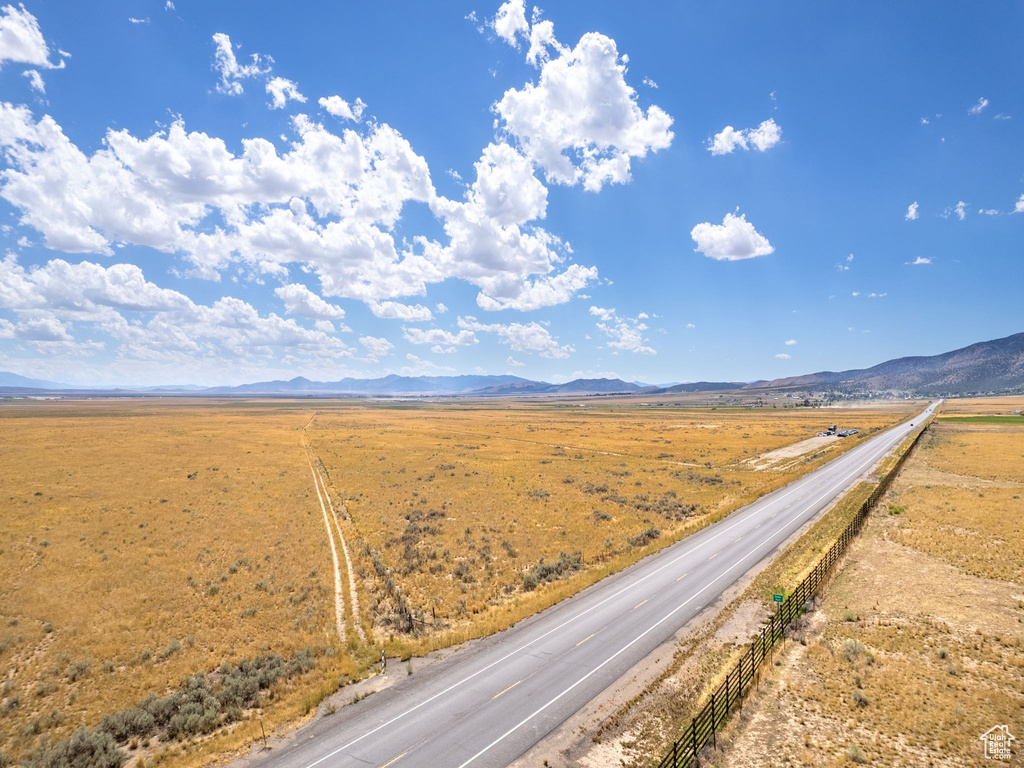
column 680, row 192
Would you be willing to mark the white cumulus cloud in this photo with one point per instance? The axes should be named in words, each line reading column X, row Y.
column 625, row 333
column 521, row 337
column 977, row 108
column 911, row 212
column 959, row 210
column 395, row 310
column 35, row 80
column 230, row 70
column 281, row 91
column 581, row 121
column 146, row 323
column 299, row 300
column 734, row 239
column 510, row 21
column 762, row 138
column 420, row 367
column 341, row 109
column 376, row 347
column 22, row 41
column 439, row 336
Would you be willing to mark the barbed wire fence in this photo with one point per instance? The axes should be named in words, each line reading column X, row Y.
column 704, row 727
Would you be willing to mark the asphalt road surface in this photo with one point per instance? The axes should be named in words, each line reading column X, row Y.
column 490, row 702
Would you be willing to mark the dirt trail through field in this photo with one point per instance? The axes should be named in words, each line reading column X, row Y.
column 339, row 596
column 339, row 606
column 353, row 595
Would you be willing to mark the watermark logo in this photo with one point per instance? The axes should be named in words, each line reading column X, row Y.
column 997, row 742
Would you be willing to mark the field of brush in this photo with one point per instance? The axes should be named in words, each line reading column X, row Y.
column 455, row 513
column 918, row 649
column 143, row 542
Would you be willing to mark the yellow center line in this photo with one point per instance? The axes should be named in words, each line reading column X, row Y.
column 517, row 682
column 737, row 539
column 681, row 577
column 713, row 556
column 394, row 760
column 581, row 642
column 757, row 526
column 775, row 513
column 639, row 604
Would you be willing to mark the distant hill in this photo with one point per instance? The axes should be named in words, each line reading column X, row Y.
column 388, row 385
column 988, row 366
column 602, row 386
column 995, row 366
column 574, row 387
column 14, row 380
column 698, row 386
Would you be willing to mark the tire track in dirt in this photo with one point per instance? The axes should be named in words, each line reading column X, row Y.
column 339, row 601
column 353, row 595
column 339, row 596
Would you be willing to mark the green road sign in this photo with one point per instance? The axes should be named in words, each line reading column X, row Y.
column 777, row 598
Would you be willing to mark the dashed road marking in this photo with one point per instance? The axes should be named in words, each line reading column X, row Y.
column 581, row 642
column 394, row 760
column 681, row 577
column 517, row 682
column 639, row 604
column 855, row 457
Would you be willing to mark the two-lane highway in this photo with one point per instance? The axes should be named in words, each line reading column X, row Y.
column 490, row 702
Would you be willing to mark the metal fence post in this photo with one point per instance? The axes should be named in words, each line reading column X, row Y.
column 714, row 727
column 817, row 579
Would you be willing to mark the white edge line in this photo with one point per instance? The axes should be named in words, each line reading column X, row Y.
column 650, row 629
column 796, row 486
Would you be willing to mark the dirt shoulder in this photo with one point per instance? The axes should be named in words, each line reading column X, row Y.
column 918, row 646
column 631, row 721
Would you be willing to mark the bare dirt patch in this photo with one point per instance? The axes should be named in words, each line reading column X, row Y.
column 919, row 644
column 747, row 617
column 781, row 455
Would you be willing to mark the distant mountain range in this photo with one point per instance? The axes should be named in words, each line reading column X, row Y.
column 388, row 385
column 701, row 386
column 14, row 380
column 989, row 366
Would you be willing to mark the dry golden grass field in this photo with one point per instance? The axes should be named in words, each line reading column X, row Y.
column 452, row 510
column 918, row 648
column 145, row 541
